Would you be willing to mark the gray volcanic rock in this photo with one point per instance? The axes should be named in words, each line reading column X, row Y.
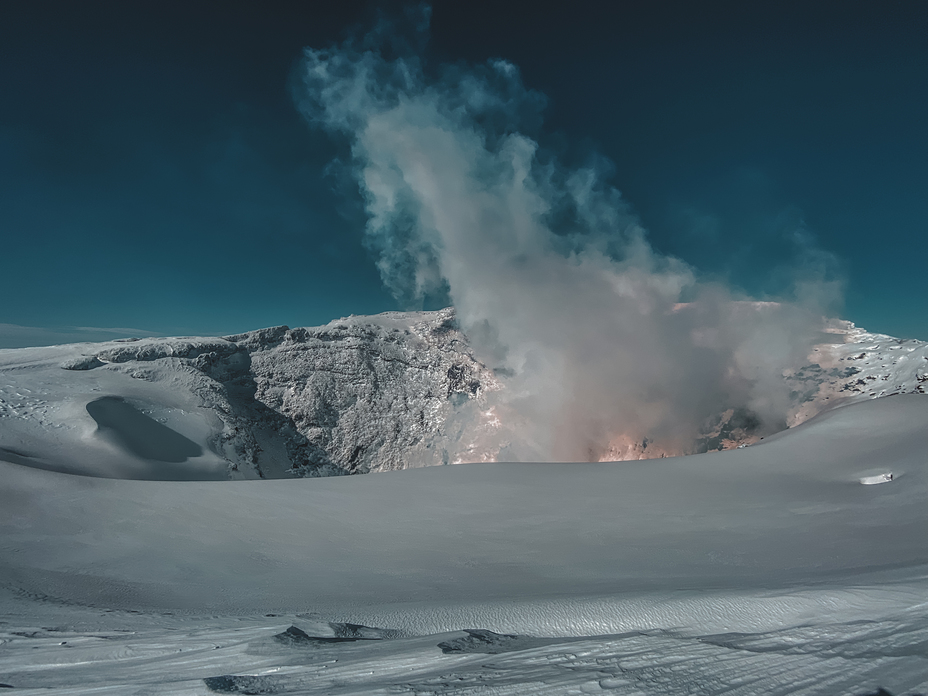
column 357, row 395
column 361, row 394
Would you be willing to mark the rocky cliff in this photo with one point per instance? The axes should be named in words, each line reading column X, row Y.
column 358, row 395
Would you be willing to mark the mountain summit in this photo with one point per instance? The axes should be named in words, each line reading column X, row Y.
column 358, row 395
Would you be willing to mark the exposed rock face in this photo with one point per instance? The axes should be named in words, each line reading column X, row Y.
column 850, row 365
column 367, row 394
column 859, row 365
column 361, row 394
column 357, row 395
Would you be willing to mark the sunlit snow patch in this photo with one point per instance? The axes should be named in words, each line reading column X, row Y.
column 885, row 477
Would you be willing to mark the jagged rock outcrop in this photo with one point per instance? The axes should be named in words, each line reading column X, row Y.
column 859, row 365
column 361, row 394
column 358, row 395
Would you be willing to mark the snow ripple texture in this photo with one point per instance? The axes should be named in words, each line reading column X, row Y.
column 246, row 655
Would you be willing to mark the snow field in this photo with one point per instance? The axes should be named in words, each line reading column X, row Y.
column 247, row 655
column 763, row 570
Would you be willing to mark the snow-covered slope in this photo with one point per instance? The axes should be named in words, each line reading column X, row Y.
column 765, row 570
column 789, row 510
column 859, row 365
column 770, row 569
column 358, row 395
column 362, row 394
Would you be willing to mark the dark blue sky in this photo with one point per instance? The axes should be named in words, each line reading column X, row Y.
column 155, row 174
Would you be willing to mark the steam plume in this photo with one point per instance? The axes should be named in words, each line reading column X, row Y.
column 552, row 276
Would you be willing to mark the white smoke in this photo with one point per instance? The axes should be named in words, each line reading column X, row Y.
column 551, row 275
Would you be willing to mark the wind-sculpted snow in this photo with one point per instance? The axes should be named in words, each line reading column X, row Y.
column 161, row 655
column 362, row 394
column 764, row 570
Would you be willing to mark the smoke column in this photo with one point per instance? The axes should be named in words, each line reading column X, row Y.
column 551, row 275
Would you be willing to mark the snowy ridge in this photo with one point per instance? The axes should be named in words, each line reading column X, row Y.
column 357, row 395
column 764, row 570
column 361, row 394
column 372, row 393
column 863, row 366
column 248, row 656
